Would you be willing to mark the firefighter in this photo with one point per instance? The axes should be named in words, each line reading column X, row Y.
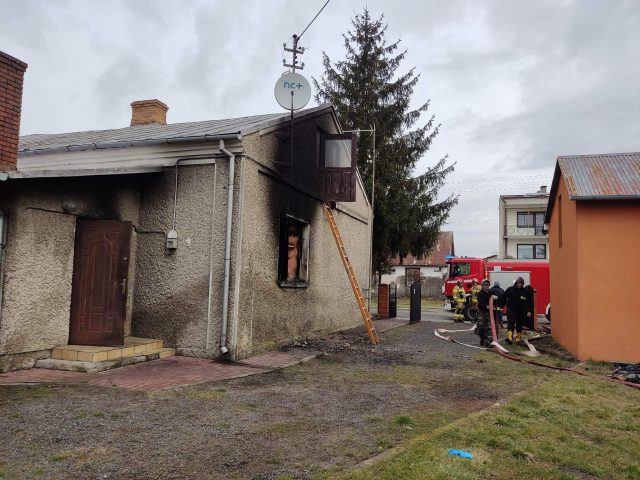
column 483, row 325
column 459, row 298
column 498, row 303
column 518, row 303
column 475, row 288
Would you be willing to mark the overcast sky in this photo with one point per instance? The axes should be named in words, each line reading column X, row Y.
column 515, row 83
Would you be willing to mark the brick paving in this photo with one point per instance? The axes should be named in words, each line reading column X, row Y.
column 39, row 375
column 169, row 372
column 174, row 371
column 163, row 373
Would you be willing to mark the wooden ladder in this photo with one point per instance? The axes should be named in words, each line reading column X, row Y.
column 366, row 317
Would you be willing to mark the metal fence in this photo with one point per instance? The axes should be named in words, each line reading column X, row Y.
column 516, row 231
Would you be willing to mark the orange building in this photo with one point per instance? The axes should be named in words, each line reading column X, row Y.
column 593, row 219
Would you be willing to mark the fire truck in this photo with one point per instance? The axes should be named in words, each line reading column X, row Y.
column 534, row 273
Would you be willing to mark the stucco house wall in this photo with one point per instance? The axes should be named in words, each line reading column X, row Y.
column 168, row 294
column 38, row 257
column 171, row 300
column 267, row 313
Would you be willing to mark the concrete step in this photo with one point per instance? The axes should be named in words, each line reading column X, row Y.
column 133, row 346
column 102, row 365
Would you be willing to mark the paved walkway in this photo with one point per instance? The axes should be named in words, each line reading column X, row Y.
column 174, row 371
column 164, row 373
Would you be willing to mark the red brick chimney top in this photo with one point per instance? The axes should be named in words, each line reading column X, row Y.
column 148, row 111
column 11, row 78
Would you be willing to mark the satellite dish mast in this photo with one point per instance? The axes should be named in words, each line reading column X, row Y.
column 292, row 90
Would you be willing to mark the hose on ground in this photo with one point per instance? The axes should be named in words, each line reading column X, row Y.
column 502, row 351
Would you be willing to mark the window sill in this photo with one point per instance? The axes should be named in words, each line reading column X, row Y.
column 294, row 284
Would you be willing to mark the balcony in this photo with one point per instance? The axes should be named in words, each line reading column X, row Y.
column 516, row 231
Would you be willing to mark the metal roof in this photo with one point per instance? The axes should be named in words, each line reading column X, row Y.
column 39, row 144
column 594, row 177
column 609, row 176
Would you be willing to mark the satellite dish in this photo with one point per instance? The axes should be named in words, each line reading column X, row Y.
column 292, row 91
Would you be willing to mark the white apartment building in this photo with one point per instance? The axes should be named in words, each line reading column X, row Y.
column 521, row 226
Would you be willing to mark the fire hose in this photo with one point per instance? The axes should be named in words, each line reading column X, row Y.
column 505, row 353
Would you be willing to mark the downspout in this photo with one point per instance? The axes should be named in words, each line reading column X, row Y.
column 213, row 216
column 227, row 249
column 233, row 327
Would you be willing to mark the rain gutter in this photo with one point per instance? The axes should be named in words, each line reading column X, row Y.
column 130, row 143
column 606, row 197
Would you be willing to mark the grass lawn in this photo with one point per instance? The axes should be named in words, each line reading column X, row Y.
column 568, row 427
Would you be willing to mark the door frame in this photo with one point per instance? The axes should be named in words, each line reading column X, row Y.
column 114, row 288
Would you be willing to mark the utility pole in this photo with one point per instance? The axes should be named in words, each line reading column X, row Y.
column 295, row 51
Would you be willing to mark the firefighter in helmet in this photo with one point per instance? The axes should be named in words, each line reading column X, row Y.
column 519, row 307
column 483, row 326
column 459, row 298
column 475, row 289
column 497, row 303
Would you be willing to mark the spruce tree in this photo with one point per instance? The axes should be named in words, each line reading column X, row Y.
column 366, row 89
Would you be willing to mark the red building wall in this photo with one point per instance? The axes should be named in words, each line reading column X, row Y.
column 594, row 265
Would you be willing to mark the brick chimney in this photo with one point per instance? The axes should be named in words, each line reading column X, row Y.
column 11, row 77
column 148, row 111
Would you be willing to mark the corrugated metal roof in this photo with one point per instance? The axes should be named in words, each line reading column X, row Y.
column 603, row 176
column 607, row 176
column 41, row 143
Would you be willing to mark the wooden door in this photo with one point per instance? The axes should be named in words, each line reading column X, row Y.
column 99, row 290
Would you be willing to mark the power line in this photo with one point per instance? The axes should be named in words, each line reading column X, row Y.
column 314, row 18
column 480, row 179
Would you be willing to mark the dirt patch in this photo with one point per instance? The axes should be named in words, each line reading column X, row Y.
column 317, row 418
column 548, row 345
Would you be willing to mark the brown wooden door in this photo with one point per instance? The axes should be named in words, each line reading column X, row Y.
column 99, row 291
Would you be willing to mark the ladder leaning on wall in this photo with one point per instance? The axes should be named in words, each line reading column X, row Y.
column 366, row 317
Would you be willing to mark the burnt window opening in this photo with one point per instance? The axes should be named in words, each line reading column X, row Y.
column 293, row 258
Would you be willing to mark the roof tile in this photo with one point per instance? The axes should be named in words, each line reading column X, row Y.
column 436, row 258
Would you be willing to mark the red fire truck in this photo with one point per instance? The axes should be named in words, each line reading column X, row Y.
column 534, row 273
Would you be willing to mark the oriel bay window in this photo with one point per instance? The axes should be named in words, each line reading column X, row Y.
column 293, row 257
column 338, row 158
